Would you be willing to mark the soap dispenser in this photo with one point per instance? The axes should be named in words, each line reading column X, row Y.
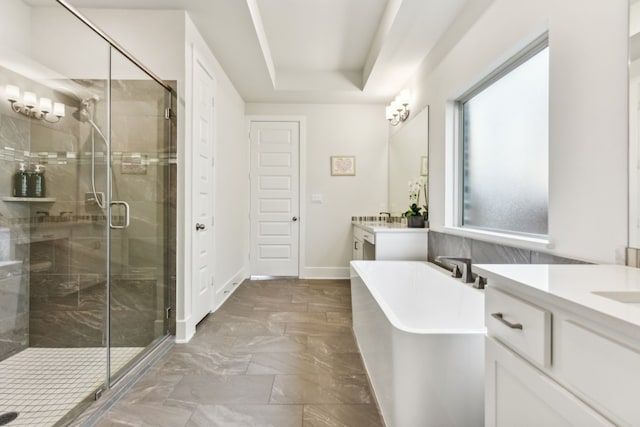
column 21, row 182
column 37, row 187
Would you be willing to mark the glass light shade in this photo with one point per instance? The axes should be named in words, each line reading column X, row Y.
column 405, row 97
column 58, row 109
column 12, row 92
column 45, row 105
column 389, row 112
column 30, row 99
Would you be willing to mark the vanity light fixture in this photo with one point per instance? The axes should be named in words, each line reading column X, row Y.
column 399, row 111
column 30, row 107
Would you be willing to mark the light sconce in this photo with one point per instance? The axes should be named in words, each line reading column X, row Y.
column 399, row 111
column 30, row 107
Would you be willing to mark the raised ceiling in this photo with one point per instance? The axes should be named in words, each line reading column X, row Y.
column 312, row 51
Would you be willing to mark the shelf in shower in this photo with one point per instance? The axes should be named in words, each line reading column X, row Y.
column 29, row 199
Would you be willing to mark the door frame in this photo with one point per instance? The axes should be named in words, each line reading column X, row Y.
column 302, row 180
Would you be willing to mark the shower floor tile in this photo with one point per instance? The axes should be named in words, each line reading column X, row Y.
column 43, row 384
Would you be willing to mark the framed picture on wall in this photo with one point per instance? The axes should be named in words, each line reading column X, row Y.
column 424, row 165
column 343, row 165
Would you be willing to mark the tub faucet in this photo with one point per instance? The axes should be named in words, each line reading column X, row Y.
column 456, row 263
column 388, row 214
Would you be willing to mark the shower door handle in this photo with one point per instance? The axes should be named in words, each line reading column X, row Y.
column 126, row 214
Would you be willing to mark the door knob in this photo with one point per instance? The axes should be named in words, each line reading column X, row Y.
column 199, row 226
column 294, row 219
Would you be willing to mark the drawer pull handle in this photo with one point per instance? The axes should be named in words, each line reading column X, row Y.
column 506, row 322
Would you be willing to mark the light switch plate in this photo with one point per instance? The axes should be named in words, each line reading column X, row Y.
column 316, row 198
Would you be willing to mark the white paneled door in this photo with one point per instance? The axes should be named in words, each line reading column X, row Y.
column 274, row 198
column 202, row 222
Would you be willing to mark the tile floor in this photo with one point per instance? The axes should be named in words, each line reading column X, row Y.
column 278, row 353
column 43, row 384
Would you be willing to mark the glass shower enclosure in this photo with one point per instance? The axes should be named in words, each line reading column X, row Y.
column 87, row 208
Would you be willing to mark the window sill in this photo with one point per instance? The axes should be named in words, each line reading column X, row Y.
column 524, row 242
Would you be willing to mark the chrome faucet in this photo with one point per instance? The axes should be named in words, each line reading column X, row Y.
column 453, row 265
column 456, row 263
column 388, row 214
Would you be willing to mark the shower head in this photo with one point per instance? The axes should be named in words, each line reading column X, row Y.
column 84, row 115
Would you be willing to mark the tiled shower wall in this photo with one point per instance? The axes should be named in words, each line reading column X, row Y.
column 52, row 255
column 16, row 135
column 442, row 244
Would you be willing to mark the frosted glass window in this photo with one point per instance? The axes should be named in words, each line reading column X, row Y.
column 505, row 151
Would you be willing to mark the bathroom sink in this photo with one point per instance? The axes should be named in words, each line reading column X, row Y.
column 627, row 297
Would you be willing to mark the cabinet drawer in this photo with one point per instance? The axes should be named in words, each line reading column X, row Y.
column 608, row 376
column 520, row 325
column 360, row 234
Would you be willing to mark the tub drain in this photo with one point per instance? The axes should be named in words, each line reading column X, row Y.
column 7, row 417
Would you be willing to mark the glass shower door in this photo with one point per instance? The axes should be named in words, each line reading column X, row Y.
column 139, row 219
column 53, row 243
column 83, row 264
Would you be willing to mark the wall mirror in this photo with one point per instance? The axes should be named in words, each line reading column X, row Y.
column 634, row 123
column 408, row 160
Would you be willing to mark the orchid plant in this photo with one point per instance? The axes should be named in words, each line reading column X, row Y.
column 415, row 187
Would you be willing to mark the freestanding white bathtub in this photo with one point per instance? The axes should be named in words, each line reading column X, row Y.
column 421, row 335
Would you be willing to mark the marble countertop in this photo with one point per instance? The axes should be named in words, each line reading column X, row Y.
column 576, row 287
column 387, row 227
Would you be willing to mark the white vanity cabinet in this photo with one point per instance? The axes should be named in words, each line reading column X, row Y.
column 357, row 253
column 357, row 247
column 519, row 387
column 388, row 241
column 557, row 353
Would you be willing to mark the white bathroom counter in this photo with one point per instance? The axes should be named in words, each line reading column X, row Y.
column 576, row 288
column 388, row 241
column 387, row 227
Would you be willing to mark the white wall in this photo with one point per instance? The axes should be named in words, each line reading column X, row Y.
column 634, row 125
column 15, row 26
column 157, row 47
column 587, row 123
column 359, row 130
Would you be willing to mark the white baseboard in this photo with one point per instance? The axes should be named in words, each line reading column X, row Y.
column 185, row 330
column 324, row 273
column 230, row 286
